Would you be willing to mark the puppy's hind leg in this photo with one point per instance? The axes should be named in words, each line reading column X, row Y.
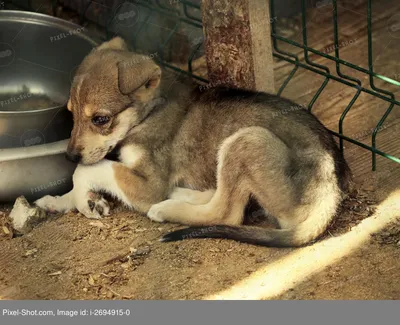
column 191, row 196
column 251, row 161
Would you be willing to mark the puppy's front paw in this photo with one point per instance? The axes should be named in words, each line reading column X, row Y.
column 168, row 210
column 156, row 213
column 93, row 206
column 52, row 204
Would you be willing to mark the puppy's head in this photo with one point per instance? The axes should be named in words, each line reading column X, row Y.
column 113, row 91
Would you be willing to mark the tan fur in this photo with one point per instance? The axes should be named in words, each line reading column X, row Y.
column 117, row 43
column 90, row 110
column 197, row 156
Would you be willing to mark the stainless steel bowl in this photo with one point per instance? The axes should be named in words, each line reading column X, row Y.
column 35, row 171
column 38, row 57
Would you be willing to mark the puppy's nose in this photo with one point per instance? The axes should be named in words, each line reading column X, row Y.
column 73, row 156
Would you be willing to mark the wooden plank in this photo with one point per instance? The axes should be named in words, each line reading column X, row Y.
column 238, row 43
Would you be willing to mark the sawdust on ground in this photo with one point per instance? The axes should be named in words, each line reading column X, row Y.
column 119, row 257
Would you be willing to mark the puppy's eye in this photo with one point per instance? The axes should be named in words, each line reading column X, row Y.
column 100, row 120
column 148, row 84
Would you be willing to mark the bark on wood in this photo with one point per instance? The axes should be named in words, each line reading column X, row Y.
column 238, row 43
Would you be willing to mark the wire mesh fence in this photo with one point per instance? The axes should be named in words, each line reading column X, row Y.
column 347, row 80
column 179, row 22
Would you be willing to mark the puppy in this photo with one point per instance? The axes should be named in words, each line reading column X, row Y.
column 197, row 155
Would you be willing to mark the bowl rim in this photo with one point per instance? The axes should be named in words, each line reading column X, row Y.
column 27, row 16
column 46, row 149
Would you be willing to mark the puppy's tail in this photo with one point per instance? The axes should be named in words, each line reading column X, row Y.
column 327, row 200
column 251, row 235
column 299, row 235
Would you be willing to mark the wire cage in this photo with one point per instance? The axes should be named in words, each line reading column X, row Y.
column 181, row 25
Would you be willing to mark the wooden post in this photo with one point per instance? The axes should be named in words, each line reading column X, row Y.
column 238, row 43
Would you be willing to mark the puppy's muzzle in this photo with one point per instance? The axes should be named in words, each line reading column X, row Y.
column 73, row 156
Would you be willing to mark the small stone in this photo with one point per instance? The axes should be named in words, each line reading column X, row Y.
column 99, row 224
column 141, row 251
column 30, row 252
column 197, row 261
column 120, row 236
column 91, row 280
column 126, row 265
column 24, row 217
column 140, row 230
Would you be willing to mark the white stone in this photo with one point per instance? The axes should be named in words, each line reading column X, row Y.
column 24, row 217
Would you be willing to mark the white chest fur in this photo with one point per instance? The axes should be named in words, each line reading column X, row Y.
column 131, row 154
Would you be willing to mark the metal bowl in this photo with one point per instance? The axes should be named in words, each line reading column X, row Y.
column 38, row 57
column 35, row 171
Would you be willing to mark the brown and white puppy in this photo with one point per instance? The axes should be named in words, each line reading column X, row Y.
column 196, row 157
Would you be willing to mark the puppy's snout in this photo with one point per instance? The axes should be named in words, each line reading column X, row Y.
column 75, row 157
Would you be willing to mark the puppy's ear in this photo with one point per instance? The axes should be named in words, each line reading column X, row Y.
column 117, row 43
column 136, row 73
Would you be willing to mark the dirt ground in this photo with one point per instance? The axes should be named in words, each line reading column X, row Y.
column 120, row 257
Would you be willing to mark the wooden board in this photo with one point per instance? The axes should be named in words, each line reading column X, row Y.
column 237, row 51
